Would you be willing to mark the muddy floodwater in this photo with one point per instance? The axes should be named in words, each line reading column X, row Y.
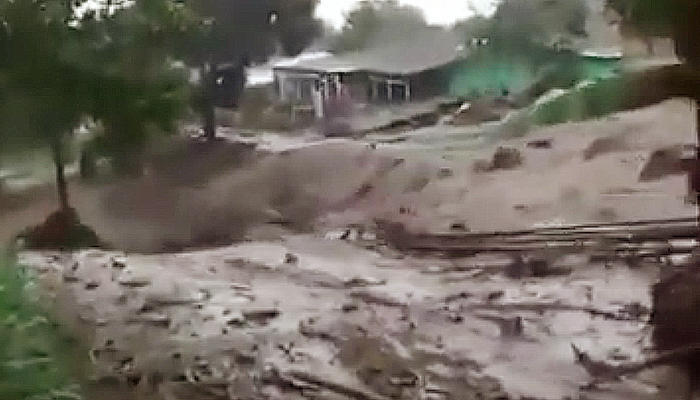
column 310, row 303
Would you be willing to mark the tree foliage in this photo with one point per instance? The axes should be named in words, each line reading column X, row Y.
column 519, row 23
column 111, row 64
column 675, row 18
column 222, row 37
column 372, row 22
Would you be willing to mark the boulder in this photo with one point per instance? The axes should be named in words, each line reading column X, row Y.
column 665, row 162
column 506, row 158
column 603, row 146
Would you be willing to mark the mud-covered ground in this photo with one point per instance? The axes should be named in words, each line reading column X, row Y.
column 312, row 317
column 302, row 308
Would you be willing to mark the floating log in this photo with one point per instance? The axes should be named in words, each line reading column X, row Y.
column 653, row 238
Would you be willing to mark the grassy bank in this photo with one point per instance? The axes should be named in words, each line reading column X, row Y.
column 594, row 99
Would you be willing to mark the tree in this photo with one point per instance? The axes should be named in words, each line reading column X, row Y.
column 222, row 37
column 372, row 22
column 677, row 19
column 135, row 87
column 57, row 69
column 41, row 91
column 520, row 24
column 673, row 18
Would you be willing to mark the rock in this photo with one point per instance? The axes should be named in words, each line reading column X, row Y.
column 506, row 158
column 539, row 267
column 665, row 162
column 603, row 146
column 240, row 286
column 503, row 158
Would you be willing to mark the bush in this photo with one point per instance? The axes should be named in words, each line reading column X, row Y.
column 33, row 362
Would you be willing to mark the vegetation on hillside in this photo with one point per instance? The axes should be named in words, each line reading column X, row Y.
column 34, row 360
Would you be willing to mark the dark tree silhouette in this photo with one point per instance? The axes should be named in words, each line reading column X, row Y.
column 675, row 299
column 222, row 37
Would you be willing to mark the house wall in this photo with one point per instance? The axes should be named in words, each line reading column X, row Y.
column 296, row 88
column 431, row 83
column 306, row 88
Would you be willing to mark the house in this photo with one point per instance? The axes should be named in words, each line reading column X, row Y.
column 406, row 69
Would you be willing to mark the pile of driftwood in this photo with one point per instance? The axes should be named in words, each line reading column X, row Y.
column 628, row 240
column 676, row 297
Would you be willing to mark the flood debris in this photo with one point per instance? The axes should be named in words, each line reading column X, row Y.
column 445, row 172
column 459, row 226
column 540, row 144
column 359, row 281
column 260, row 316
column 534, row 266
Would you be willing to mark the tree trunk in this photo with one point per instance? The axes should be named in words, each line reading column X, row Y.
column 61, row 185
column 209, row 78
column 695, row 175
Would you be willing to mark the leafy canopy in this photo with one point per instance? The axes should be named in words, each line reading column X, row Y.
column 373, row 22
column 675, row 18
column 111, row 64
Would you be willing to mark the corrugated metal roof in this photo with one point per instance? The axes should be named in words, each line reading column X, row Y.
column 424, row 51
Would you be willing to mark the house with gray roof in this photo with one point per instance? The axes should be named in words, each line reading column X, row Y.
column 403, row 70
